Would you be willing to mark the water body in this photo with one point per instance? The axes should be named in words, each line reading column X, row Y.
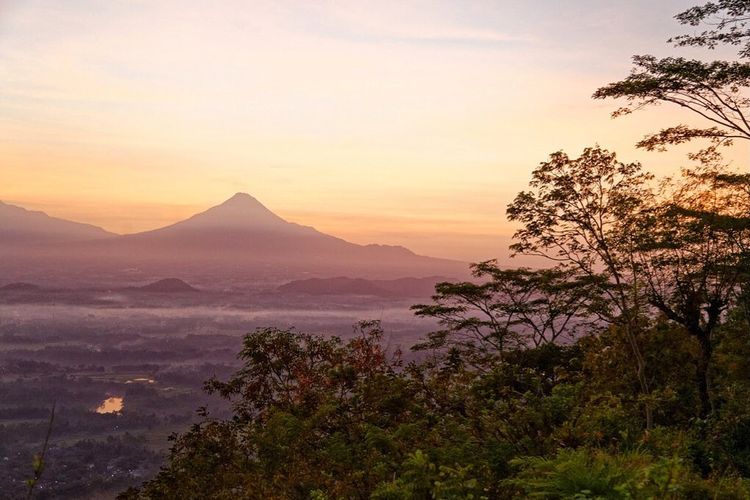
column 112, row 404
column 141, row 380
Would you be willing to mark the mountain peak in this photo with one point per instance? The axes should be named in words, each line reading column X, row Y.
column 241, row 198
column 239, row 211
column 171, row 285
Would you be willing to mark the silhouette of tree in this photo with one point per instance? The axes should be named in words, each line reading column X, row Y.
column 509, row 309
column 728, row 21
column 715, row 91
column 693, row 244
column 580, row 213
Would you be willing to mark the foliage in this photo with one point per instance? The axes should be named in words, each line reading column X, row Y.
column 728, row 20
column 582, row 213
column 692, row 255
column 583, row 474
column 550, row 421
column 509, row 309
column 715, row 91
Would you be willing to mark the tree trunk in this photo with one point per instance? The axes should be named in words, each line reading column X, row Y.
column 702, row 379
column 640, row 363
column 646, row 391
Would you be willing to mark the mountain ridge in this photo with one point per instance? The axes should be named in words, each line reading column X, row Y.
column 18, row 224
column 167, row 285
column 238, row 239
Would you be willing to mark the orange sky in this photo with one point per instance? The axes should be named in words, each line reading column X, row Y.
column 414, row 123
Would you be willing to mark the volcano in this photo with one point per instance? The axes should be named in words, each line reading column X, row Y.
column 236, row 241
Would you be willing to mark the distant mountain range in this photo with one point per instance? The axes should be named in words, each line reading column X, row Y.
column 19, row 226
column 230, row 244
column 167, row 285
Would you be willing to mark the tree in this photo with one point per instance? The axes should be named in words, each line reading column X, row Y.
column 286, row 369
column 716, row 91
column 580, row 213
column 728, row 21
column 309, row 413
column 693, row 253
column 509, row 309
column 693, row 256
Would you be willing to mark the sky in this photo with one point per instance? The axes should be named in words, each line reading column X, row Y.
column 396, row 122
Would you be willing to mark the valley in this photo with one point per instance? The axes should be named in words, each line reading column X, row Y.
column 125, row 368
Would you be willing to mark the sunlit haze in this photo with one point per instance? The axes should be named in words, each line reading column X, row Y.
column 408, row 123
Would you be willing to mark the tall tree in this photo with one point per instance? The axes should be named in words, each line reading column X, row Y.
column 692, row 253
column 580, row 213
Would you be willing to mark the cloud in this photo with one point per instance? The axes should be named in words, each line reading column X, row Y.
column 405, row 22
column 433, row 108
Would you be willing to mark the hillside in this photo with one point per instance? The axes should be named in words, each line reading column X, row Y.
column 168, row 285
column 19, row 226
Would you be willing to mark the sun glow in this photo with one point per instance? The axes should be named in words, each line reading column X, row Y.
column 409, row 124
